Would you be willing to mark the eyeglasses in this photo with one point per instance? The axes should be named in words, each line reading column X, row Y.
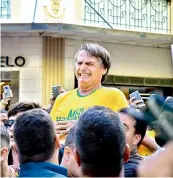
column 9, row 123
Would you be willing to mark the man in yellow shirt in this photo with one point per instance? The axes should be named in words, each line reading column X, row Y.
column 92, row 64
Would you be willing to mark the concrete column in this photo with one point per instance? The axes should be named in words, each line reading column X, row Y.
column 53, row 65
column 171, row 18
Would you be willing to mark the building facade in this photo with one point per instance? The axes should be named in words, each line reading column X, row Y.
column 47, row 34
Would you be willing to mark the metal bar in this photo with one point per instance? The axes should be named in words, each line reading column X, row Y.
column 35, row 8
column 99, row 15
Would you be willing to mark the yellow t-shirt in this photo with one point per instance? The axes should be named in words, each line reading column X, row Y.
column 70, row 105
column 144, row 151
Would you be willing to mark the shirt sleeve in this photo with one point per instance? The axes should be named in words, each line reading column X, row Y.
column 55, row 107
column 119, row 101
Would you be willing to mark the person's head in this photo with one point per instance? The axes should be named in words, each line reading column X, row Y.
column 162, row 137
column 135, row 126
column 68, row 159
column 100, row 143
column 92, row 64
column 35, row 137
column 15, row 111
column 3, row 116
column 21, row 107
column 4, row 143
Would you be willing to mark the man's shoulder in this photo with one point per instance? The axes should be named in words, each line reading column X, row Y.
column 116, row 98
column 65, row 94
column 41, row 173
column 111, row 90
column 42, row 169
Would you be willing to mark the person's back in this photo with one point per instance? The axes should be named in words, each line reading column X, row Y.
column 38, row 145
column 14, row 111
column 42, row 169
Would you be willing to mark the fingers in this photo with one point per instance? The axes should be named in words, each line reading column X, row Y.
column 51, row 95
column 61, row 123
column 65, row 132
column 61, row 127
column 138, row 101
column 131, row 100
column 61, row 90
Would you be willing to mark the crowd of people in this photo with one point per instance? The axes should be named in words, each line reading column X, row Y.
column 91, row 131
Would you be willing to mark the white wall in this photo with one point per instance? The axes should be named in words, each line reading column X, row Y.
column 30, row 85
column 140, row 61
column 22, row 11
column 127, row 60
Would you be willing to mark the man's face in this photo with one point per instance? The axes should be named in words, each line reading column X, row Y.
column 69, row 162
column 88, row 70
column 3, row 118
column 132, row 139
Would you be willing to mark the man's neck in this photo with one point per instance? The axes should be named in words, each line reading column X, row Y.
column 133, row 151
column 88, row 90
column 54, row 158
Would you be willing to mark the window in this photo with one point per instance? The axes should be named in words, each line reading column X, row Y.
column 5, row 9
column 12, row 79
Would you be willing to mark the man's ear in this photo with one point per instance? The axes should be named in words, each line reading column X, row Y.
column 77, row 157
column 67, row 153
column 57, row 143
column 136, row 139
column 126, row 153
column 4, row 153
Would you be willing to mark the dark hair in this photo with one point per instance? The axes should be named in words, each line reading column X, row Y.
column 100, row 142
column 34, row 134
column 100, row 53
column 22, row 107
column 70, row 138
column 5, row 138
column 141, row 123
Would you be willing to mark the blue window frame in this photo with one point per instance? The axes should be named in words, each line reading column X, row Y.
column 5, row 9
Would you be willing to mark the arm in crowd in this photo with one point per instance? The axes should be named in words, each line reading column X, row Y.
column 4, row 102
column 150, row 143
column 158, row 165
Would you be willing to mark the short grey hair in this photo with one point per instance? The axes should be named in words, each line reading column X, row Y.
column 100, row 53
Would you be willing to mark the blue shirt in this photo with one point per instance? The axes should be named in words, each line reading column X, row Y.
column 42, row 169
